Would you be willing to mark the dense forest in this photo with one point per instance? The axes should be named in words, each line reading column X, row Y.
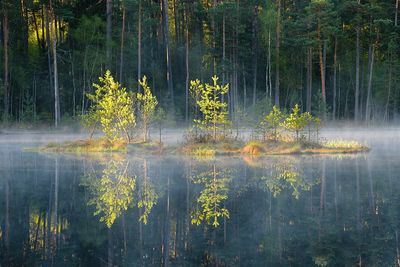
column 337, row 59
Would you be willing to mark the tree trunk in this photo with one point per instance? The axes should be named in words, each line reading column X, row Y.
column 369, row 94
column 187, row 64
column 309, row 79
column 357, row 89
column 37, row 30
column 55, row 67
column 48, row 43
column 121, row 59
column 396, row 13
column 108, row 33
column 168, row 54
column 322, row 69
column 73, row 86
column 6, row 71
column 223, row 48
column 277, row 47
column 139, row 74
column 255, row 55
column 386, row 116
column 334, row 80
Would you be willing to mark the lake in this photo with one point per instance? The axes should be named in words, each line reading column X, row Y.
column 137, row 210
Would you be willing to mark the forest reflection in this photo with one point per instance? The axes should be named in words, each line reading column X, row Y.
column 297, row 211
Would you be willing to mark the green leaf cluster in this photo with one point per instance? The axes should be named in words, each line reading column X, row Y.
column 147, row 104
column 112, row 108
column 209, row 100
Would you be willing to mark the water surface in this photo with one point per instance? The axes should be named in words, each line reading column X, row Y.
column 102, row 210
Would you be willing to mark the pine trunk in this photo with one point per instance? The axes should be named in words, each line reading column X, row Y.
column 277, row 47
column 357, row 89
column 108, row 32
column 334, row 80
column 121, row 59
column 6, row 65
column 309, row 79
column 187, row 65
column 53, row 38
column 168, row 54
column 371, row 56
column 139, row 74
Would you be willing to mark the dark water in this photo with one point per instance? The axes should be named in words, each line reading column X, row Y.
column 63, row 210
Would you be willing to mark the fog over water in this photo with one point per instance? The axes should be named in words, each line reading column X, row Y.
column 139, row 210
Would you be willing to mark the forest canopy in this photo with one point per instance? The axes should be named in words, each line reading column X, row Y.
column 337, row 59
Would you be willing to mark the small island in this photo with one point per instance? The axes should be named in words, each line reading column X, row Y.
column 125, row 120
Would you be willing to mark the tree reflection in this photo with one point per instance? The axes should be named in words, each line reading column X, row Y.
column 209, row 203
column 147, row 196
column 286, row 174
column 113, row 192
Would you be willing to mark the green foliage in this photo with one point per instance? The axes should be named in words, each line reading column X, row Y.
column 147, row 103
column 295, row 121
column 272, row 121
column 214, row 111
column 112, row 108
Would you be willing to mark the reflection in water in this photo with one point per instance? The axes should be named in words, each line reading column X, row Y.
column 286, row 173
column 209, row 203
column 112, row 193
column 277, row 211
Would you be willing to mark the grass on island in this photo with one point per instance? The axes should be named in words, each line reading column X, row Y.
column 270, row 147
column 302, row 147
column 87, row 146
column 102, row 145
column 209, row 149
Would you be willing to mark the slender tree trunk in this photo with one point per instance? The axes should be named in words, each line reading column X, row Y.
column 55, row 67
column 277, row 48
column 369, row 94
column 36, row 29
column 386, row 116
column 255, row 55
column 168, row 53
column 334, row 80
column 322, row 68
column 121, row 59
column 139, row 74
column 357, row 89
column 223, row 48
column 108, row 32
column 396, row 13
column 187, row 64
column 43, row 27
column 48, row 43
column 269, row 65
column 5, row 62
column 73, row 85
column 309, row 79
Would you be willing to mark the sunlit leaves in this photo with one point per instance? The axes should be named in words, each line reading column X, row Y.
column 112, row 108
column 147, row 103
column 209, row 100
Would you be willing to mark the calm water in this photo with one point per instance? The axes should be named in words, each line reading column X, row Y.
column 63, row 210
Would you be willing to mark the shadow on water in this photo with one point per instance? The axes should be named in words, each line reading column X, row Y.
column 138, row 211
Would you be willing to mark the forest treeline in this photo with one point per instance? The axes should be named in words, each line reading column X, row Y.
column 338, row 59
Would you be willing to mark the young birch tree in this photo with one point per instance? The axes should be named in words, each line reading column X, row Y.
column 211, row 106
column 147, row 106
